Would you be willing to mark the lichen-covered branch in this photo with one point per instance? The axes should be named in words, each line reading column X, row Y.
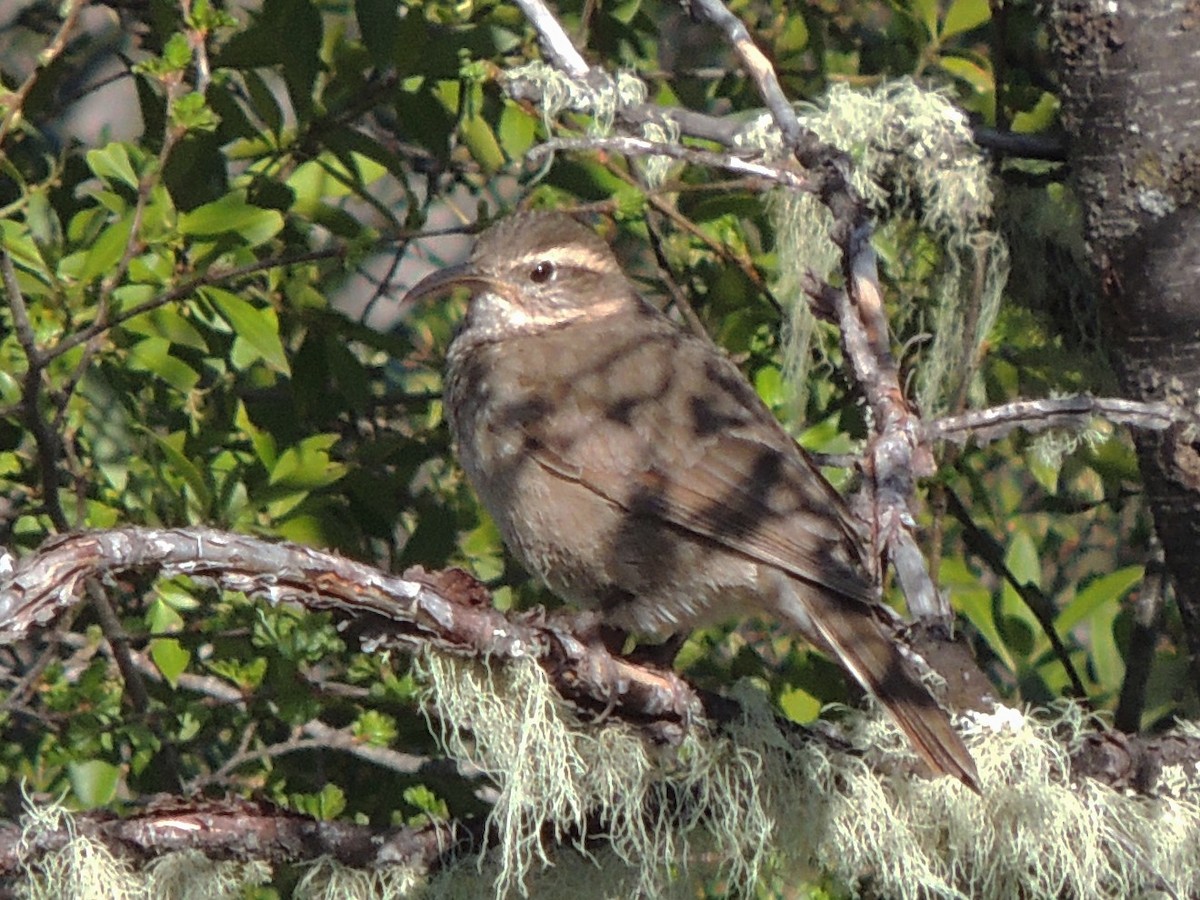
column 448, row 611
column 240, row 829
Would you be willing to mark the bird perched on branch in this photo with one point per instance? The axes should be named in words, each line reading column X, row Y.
column 634, row 469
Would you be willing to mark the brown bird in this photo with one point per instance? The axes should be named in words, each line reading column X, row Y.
column 634, row 469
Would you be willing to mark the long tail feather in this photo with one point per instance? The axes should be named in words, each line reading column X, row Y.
column 854, row 637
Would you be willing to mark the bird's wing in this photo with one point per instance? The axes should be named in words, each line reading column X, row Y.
column 714, row 498
column 700, row 451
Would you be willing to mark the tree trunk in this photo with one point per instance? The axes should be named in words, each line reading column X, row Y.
column 1131, row 107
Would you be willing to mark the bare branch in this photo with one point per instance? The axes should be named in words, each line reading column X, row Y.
column 47, row 440
column 1075, row 412
column 14, row 102
column 553, row 39
column 631, row 146
column 757, row 65
column 187, row 288
column 988, row 549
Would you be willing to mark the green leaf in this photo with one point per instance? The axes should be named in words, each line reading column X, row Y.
column 112, row 163
column 44, row 225
column 1107, row 589
column 517, row 130
column 964, row 15
column 1044, row 470
column 170, row 657
column 258, row 328
column 479, row 138
column 1022, row 558
column 377, row 728
column 975, row 602
column 108, row 249
column 161, row 617
column 247, row 675
column 20, row 245
column 94, row 782
column 307, row 465
column 379, row 25
column 153, row 355
column 169, row 324
column 232, row 215
column 326, row 805
column 1040, row 118
column 794, row 36
column 624, row 11
column 979, row 78
column 768, row 384
column 1107, row 661
column 191, row 112
column 926, row 12
column 262, row 441
column 263, row 102
column 328, row 178
column 183, row 467
column 799, row 705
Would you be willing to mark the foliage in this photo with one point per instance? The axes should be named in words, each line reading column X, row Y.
column 202, row 329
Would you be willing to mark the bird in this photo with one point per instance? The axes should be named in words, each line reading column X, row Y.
column 631, row 466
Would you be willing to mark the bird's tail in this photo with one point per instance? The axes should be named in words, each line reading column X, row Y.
column 851, row 633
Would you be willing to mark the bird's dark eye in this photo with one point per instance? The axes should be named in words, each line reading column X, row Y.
column 542, row 272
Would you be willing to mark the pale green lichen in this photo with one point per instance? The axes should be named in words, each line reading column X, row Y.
column 1051, row 447
column 600, row 97
column 84, row 868
column 329, row 880
column 190, row 875
column 752, row 809
column 913, row 162
column 555, row 774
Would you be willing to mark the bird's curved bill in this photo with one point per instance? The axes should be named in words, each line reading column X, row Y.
column 443, row 281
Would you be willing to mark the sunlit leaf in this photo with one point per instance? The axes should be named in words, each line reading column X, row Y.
column 1107, row 589
column 233, row 216
column 170, row 657
column 94, row 782
column 112, row 163
column 257, row 327
column 963, row 15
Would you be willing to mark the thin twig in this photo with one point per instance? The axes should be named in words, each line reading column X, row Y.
column 211, row 277
column 986, row 425
column 757, row 65
column 15, row 101
column 679, row 297
column 989, row 550
column 46, row 439
column 1148, row 614
column 555, row 42
column 632, row 146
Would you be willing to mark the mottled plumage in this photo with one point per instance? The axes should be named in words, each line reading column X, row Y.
column 633, row 467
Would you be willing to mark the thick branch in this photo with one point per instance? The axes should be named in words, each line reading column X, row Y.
column 448, row 611
column 245, row 829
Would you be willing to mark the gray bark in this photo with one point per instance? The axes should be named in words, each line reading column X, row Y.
column 1130, row 72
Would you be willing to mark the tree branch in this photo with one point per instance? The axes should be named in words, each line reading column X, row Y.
column 447, row 611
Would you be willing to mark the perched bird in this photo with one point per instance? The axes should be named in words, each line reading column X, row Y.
column 633, row 468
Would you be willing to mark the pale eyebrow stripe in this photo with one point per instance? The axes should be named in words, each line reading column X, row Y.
column 585, row 257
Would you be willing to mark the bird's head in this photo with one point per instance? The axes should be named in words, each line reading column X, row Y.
column 531, row 272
